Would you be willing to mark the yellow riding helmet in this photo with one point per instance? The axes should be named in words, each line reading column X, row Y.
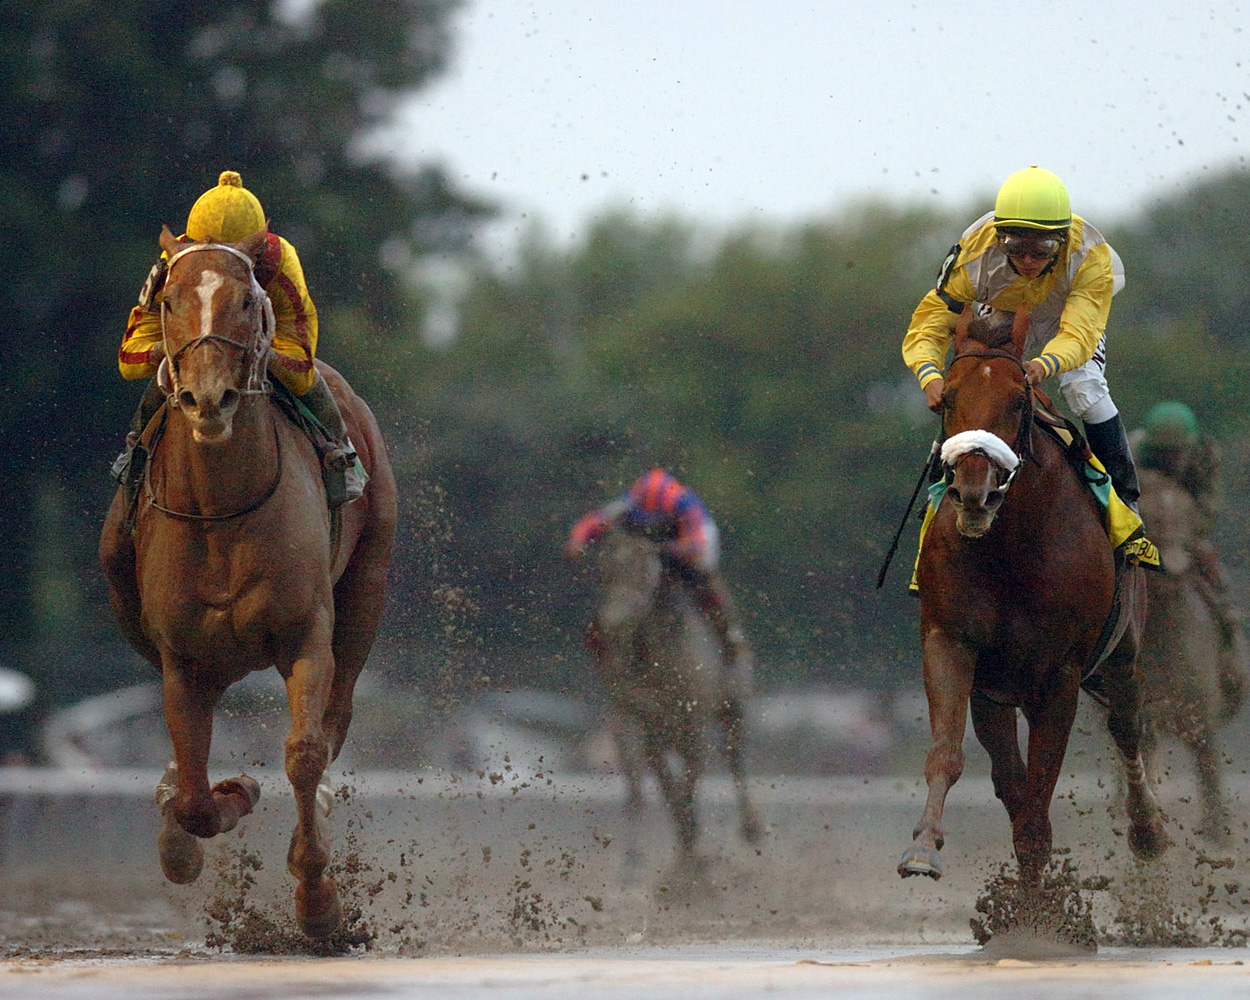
column 1033, row 199
column 228, row 212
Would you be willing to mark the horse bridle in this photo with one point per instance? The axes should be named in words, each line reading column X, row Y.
column 1024, row 437
column 258, row 349
column 257, row 379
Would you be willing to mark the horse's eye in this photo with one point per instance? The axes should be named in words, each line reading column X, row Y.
column 247, row 301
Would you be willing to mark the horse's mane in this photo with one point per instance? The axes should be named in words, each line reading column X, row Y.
column 991, row 331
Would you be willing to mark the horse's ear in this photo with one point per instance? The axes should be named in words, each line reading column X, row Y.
column 254, row 245
column 169, row 242
column 1020, row 329
column 962, row 327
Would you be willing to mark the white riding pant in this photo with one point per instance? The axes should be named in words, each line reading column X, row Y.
column 1085, row 389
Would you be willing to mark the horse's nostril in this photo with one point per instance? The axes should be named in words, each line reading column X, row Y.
column 186, row 399
column 994, row 498
column 229, row 398
column 954, row 495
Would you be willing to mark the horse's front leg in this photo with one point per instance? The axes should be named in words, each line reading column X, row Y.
column 189, row 807
column 948, row 672
column 1215, row 817
column 308, row 683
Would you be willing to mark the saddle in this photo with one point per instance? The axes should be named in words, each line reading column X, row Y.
column 294, row 410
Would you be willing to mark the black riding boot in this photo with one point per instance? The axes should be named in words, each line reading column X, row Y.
column 344, row 475
column 1109, row 443
column 129, row 465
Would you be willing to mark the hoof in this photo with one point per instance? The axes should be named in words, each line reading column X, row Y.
column 752, row 828
column 318, row 910
column 244, row 786
column 1149, row 841
column 920, row 861
column 182, row 856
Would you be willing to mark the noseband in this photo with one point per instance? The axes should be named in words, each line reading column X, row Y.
column 257, row 349
column 984, row 442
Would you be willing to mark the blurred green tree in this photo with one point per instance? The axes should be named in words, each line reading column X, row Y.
column 763, row 367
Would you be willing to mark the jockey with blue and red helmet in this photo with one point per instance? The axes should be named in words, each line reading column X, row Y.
column 660, row 507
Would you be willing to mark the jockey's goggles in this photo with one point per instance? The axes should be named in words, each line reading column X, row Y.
column 1037, row 247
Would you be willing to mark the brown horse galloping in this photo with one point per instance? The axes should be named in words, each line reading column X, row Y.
column 233, row 566
column 1016, row 580
column 1181, row 656
column 667, row 685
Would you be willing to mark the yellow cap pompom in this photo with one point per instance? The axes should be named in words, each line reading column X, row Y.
column 228, row 212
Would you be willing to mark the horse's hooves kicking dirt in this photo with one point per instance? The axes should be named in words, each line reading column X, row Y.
column 752, row 828
column 182, row 856
column 920, row 861
column 243, row 785
column 1149, row 841
column 318, row 910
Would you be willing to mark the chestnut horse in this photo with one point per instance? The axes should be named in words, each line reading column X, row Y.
column 1181, row 657
column 1017, row 578
column 234, row 567
column 667, row 685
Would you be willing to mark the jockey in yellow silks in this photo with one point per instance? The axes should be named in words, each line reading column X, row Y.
column 229, row 213
column 1031, row 251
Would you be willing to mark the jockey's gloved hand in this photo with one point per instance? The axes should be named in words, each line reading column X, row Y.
column 1034, row 372
column 933, row 394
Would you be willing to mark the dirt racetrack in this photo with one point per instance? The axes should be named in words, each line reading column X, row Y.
column 518, row 881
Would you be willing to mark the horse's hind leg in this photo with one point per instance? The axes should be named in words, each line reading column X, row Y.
column 678, row 797
column 317, row 906
column 1050, row 726
column 182, row 856
column 1147, row 837
column 733, row 722
column 359, row 598
column 997, row 730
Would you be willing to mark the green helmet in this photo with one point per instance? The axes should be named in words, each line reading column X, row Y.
column 1033, row 198
column 1170, row 426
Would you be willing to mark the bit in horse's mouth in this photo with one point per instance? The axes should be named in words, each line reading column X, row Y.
column 974, row 525
column 211, row 431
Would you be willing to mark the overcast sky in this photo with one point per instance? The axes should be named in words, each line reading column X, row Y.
column 727, row 110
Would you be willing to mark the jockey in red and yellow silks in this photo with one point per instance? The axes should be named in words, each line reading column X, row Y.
column 1031, row 252
column 662, row 508
column 295, row 322
column 229, row 213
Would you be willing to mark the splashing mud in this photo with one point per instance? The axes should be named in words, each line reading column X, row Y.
column 1056, row 914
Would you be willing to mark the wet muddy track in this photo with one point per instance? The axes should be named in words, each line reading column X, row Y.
column 437, row 866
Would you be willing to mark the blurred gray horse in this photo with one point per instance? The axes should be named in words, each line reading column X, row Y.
column 1183, row 694
column 663, row 671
